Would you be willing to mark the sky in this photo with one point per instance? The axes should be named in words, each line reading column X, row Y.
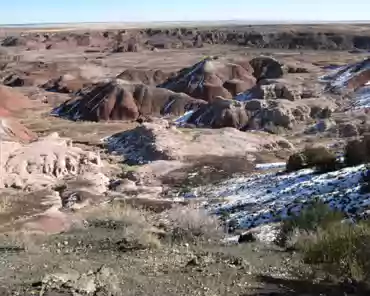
column 56, row 11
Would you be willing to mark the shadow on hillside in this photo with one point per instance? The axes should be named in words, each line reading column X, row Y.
column 300, row 287
column 208, row 170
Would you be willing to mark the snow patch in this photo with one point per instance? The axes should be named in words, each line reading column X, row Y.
column 266, row 166
column 262, row 199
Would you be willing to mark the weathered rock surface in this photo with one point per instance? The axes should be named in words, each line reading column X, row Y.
column 154, row 141
column 12, row 130
column 44, row 162
column 266, row 68
column 66, row 84
column 148, row 77
column 249, row 115
column 12, row 100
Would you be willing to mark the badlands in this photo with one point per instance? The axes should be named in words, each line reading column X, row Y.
column 169, row 160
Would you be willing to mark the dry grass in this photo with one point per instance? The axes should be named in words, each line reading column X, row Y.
column 133, row 223
column 4, row 203
column 119, row 212
column 17, row 241
column 189, row 223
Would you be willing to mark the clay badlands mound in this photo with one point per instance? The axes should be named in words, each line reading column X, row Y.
column 10, row 128
column 213, row 93
column 127, row 98
column 211, row 78
column 116, row 99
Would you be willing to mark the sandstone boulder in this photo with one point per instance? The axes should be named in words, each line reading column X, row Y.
column 266, row 68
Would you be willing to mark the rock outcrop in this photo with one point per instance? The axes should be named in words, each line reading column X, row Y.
column 148, row 77
column 43, row 163
column 269, row 91
column 352, row 80
column 160, row 141
column 66, row 84
column 266, row 68
column 249, row 115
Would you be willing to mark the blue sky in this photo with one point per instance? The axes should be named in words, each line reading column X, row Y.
column 51, row 11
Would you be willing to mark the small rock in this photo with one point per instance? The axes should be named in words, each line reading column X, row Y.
column 246, row 238
column 193, row 262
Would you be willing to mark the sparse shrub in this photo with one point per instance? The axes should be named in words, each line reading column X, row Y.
column 313, row 157
column 340, row 251
column 357, row 151
column 193, row 224
column 4, row 203
column 321, row 158
column 131, row 223
column 314, row 216
column 118, row 214
column 296, row 162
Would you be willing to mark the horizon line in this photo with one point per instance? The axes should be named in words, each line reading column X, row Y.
column 231, row 21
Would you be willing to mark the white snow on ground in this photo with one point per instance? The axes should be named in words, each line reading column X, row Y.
column 362, row 97
column 266, row 166
column 339, row 78
column 245, row 96
column 264, row 198
column 182, row 120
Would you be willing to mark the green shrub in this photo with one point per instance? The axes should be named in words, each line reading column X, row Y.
column 340, row 251
column 314, row 216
